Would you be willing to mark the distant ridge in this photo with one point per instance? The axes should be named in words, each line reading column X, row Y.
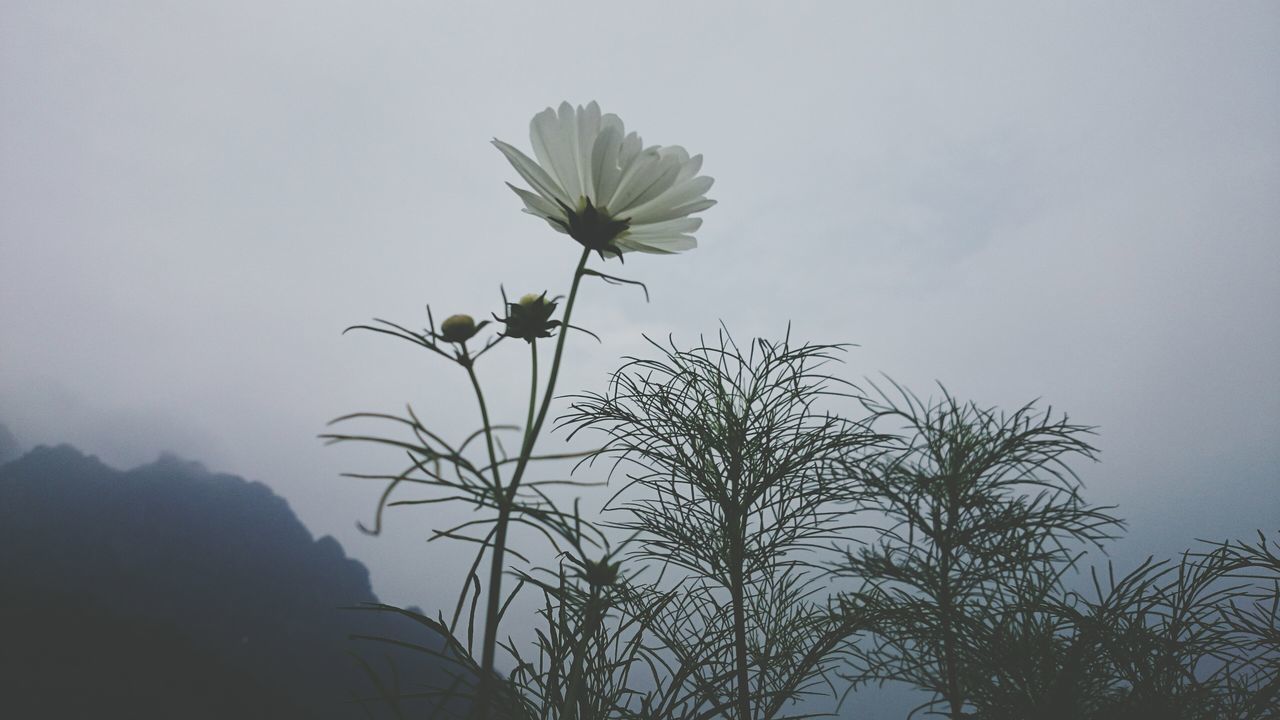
column 10, row 448
column 168, row 591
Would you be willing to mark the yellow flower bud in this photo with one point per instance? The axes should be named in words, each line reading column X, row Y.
column 458, row 328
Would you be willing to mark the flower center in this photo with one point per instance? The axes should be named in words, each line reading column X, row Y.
column 594, row 228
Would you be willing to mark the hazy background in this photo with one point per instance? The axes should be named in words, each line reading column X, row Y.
column 1072, row 201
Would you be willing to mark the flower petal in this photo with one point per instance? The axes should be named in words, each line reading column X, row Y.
column 690, row 168
column 693, row 207
column 632, row 145
column 646, row 169
column 668, row 227
column 546, row 133
column 541, row 128
column 588, row 129
column 674, row 152
column 664, row 245
column 532, row 173
column 565, row 154
column 662, row 206
column 604, row 161
column 669, row 170
column 540, row 206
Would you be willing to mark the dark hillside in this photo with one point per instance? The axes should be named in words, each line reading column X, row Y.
column 168, row 591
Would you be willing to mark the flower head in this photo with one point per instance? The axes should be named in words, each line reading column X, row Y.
column 602, row 187
column 459, row 328
column 530, row 318
column 600, row 573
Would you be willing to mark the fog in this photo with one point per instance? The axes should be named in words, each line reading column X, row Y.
column 1074, row 202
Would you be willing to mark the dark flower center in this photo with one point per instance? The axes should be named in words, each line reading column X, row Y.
column 593, row 228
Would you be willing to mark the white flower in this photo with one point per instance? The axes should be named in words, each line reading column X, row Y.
column 603, row 188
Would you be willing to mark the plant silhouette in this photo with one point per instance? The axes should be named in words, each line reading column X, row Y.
column 979, row 513
column 735, row 477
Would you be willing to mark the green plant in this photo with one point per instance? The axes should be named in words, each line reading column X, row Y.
column 600, row 186
column 978, row 512
column 734, row 480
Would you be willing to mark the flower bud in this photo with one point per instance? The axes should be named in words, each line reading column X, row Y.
column 530, row 318
column 458, row 328
column 600, row 574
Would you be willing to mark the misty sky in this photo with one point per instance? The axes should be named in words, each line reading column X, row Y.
column 1073, row 201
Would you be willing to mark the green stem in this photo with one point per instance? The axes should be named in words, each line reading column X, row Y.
column 533, row 394
column 488, row 428
column 549, row 394
column 494, row 600
column 737, row 593
column 736, row 529
column 575, row 706
column 947, row 612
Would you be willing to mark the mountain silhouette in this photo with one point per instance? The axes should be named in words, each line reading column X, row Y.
column 10, row 448
column 168, row 591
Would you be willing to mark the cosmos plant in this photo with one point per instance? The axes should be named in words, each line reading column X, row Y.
column 602, row 187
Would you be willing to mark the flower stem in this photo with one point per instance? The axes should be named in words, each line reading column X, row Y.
column 531, row 438
column 533, row 394
column 505, row 501
column 574, row 700
column 737, row 596
column 488, row 428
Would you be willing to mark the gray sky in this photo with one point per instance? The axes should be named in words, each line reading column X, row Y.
column 1073, row 201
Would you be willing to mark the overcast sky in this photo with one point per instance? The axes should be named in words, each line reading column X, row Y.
column 1073, row 201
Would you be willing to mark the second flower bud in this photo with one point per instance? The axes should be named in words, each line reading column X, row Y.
column 530, row 318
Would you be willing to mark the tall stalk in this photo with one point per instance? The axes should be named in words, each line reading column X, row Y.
column 737, row 598
column 946, row 613
column 484, row 417
column 507, row 496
